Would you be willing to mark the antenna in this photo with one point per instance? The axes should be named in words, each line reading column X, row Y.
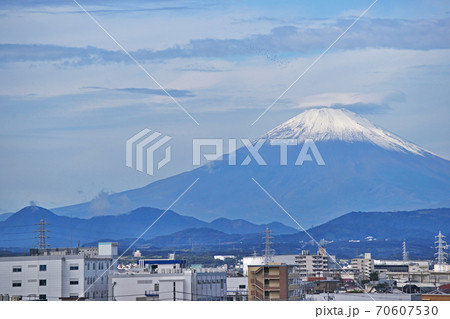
column 42, row 233
column 405, row 253
column 441, row 255
column 268, row 251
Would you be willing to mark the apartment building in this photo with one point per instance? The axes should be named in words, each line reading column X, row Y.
column 273, row 282
column 58, row 274
column 364, row 266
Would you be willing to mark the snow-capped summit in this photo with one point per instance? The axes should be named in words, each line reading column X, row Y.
column 366, row 169
column 326, row 124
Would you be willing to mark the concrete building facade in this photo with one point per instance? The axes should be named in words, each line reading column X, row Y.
column 172, row 285
column 237, row 288
column 273, row 282
column 313, row 264
column 166, row 280
column 58, row 274
column 363, row 266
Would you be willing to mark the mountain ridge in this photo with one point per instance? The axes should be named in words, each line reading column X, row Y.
column 21, row 226
column 358, row 176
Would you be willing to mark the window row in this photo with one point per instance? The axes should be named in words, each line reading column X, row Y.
column 18, row 283
column 211, row 281
column 97, row 265
column 19, row 268
column 91, row 280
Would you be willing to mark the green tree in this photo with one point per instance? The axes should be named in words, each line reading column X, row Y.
column 373, row 276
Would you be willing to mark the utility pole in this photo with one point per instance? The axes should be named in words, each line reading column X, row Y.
column 112, row 290
column 42, row 233
column 71, row 231
column 174, row 292
column 268, row 251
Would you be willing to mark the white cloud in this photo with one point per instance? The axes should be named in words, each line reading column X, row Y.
column 360, row 102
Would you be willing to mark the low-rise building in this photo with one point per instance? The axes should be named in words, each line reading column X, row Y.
column 237, row 288
column 59, row 273
column 167, row 280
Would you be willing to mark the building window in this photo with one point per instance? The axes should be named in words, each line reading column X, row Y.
column 17, row 269
column 88, row 266
column 156, row 287
column 42, row 297
column 42, row 267
column 43, row 282
column 74, row 281
column 17, row 283
column 241, row 286
column 73, row 267
column 93, row 266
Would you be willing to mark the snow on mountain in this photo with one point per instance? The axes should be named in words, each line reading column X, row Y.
column 367, row 169
column 328, row 124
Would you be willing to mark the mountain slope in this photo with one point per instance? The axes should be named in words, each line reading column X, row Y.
column 366, row 169
column 399, row 225
column 346, row 236
column 5, row 216
column 19, row 229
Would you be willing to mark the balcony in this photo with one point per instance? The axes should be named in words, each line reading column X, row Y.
column 269, row 288
column 271, row 276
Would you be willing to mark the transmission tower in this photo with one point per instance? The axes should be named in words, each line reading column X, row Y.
column 405, row 253
column 268, row 251
column 42, row 234
column 441, row 245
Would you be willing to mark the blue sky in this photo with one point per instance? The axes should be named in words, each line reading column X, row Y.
column 69, row 98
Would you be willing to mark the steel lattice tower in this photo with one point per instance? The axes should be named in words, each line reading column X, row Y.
column 405, row 253
column 441, row 245
column 268, row 251
column 42, row 234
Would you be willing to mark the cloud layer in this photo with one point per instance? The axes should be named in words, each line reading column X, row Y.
column 362, row 103
column 426, row 34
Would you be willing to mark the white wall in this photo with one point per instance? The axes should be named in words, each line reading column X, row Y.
column 58, row 276
column 129, row 286
column 258, row 260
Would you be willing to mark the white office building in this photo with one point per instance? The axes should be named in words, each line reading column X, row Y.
column 58, row 274
column 237, row 288
column 167, row 280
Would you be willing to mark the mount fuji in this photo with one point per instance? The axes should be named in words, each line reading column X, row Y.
column 366, row 169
